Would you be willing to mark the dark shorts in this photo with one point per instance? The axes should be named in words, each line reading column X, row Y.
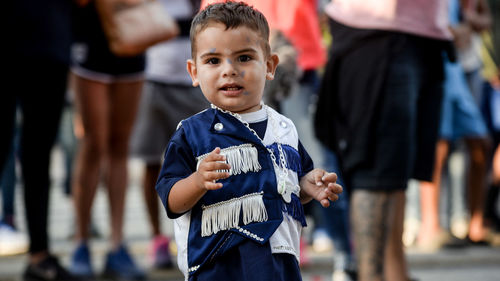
column 387, row 90
column 161, row 109
column 407, row 127
column 251, row 261
column 91, row 56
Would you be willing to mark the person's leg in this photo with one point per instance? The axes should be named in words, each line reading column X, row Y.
column 370, row 229
column 476, row 185
column 8, row 185
column 124, row 100
column 8, row 101
column 41, row 105
column 93, row 108
column 395, row 268
column 151, row 197
column 430, row 226
column 496, row 166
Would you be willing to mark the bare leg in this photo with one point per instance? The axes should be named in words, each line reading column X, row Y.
column 92, row 105
column 370, row 224
column 395, row 267
column 124, row 98
column 496, row 166
column 476, row 187
column 151, row 198
column 429, row 199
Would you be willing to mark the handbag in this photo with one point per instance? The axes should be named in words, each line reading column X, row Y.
column 132, row 26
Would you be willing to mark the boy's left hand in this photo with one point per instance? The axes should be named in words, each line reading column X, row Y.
column 320, row 185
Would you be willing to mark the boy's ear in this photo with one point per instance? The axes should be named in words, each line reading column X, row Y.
column 272, row 63
column 193, row 72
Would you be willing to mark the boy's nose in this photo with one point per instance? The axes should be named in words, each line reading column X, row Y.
column 229, row 69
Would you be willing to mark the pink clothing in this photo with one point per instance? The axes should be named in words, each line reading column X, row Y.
column 427, row 18
column 298, row 20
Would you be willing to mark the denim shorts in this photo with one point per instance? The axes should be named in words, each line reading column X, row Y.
column 461, row 116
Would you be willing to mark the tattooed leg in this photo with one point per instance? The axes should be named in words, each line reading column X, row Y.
column 370, row 225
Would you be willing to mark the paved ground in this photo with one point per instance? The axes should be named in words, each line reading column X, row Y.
column 469, row 263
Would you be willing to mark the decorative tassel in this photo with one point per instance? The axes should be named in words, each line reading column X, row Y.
column 295, row 209
column 242, row 158
column 226, row 214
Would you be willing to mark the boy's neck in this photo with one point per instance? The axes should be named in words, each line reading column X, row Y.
column 255, row 116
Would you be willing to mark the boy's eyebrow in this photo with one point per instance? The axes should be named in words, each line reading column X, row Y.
column 246, row 50
column 212, row 53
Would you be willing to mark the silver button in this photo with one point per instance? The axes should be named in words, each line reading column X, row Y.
column 283, row 124
column 218, row 126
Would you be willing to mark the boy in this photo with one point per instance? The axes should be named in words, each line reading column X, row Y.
column 235, row 175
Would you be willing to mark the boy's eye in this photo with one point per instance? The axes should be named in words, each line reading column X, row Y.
column 244, row 58
column 212, row 61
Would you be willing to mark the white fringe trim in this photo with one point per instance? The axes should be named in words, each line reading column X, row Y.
column 242, row 158
column 226, row 214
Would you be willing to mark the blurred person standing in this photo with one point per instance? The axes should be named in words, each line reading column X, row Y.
column 38, row 51
column 167, row 99
column 107, row 92
column 490, row 107
column 460, row 119
column 379, row 108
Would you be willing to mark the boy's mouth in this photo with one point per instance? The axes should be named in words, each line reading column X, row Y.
column 231, row 87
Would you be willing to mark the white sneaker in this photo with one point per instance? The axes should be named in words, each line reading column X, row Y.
column 322, row 244
column 340, row 275
column 12, row 242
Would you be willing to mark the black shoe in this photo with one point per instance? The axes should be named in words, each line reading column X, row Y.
column 49, row 269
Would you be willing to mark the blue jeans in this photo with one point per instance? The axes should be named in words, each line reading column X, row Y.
column 336, row 217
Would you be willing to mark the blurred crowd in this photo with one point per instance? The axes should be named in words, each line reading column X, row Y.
column 400, row 98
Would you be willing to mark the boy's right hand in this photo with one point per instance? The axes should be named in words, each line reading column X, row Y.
column 211, row 169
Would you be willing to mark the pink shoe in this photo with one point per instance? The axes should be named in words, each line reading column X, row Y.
column 159, row 253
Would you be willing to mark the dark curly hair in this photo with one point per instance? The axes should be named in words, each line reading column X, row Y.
column 232, row 15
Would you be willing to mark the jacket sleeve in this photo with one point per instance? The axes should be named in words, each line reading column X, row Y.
column 179, row 163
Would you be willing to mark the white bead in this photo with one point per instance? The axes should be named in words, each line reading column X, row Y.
column 283, row 124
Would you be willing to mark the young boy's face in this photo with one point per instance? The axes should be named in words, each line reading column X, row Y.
column 231, row 67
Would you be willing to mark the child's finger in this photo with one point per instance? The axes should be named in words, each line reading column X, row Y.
column 215, row 155
column 213, row 185
column 335, row 188
column 325, row 203
column 214, row 176
column 214, row 166
column 329, row 177
column 317, row 176
column 331, row 195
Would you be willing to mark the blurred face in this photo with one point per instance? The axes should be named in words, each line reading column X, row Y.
column 231, row 68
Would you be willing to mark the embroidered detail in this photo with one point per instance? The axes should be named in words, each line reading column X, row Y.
column 193, row 268
column 242, row 158
column 286, row 248
column 226, row 214
column 250, row 234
